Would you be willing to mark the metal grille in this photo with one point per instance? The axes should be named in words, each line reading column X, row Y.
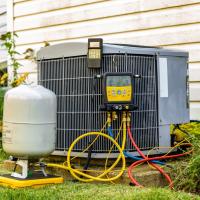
column 79, row 98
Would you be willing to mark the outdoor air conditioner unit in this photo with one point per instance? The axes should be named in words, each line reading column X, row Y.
column 161, row 94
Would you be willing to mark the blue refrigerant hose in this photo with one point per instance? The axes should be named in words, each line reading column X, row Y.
column 138, row 158
column 110, row 133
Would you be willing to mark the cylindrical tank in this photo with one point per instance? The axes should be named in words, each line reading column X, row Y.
column 29, row 122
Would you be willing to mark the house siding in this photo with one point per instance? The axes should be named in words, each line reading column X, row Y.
column 172, row 24
column 2, row 27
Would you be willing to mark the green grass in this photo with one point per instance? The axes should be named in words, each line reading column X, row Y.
column 82, row 191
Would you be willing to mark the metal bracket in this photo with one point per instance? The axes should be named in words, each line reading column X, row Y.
column 42, row 167
column 24, row 165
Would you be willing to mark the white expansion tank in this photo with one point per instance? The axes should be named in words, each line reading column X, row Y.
column 29, row 122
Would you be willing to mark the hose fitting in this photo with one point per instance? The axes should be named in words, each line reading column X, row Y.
column 109, row 120
column 124, row 116
column 114, row 115
column 128, row 119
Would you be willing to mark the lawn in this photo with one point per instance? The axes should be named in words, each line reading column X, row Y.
column 83, row 191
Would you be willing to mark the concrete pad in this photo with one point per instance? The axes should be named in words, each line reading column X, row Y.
column 143, row 174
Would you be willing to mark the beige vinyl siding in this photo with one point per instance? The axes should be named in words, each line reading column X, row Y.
column 168, row 23
column 2, row 27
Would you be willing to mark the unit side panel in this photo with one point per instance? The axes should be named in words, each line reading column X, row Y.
column 173, row 90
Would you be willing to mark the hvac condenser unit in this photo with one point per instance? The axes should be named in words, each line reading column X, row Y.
column 161, row 93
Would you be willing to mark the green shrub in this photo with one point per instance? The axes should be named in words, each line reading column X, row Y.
column 187, row 171
column 193, row 128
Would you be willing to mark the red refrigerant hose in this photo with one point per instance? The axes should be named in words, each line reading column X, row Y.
column 146, row 159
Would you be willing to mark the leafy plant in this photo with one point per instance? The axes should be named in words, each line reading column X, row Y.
column 8, row 42
column 187, row 171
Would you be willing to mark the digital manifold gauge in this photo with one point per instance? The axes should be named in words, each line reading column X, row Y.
column 118, row 91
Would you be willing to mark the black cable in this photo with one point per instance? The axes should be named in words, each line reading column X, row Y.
column 86, row 166
column 177, row 126
column 89, row 157
column 173, row 136
column 15, row 167
column 195, row 120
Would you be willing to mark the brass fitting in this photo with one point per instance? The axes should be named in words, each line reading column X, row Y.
column 128, row 119
column 109, row 120
column 114, row 115
column 124, row 117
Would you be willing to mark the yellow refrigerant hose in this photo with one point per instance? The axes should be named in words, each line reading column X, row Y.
column 80, row 175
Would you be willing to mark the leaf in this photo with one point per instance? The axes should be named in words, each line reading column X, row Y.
column 15, row 52
column 3, row 37
column 8, row 35
column 7, row 45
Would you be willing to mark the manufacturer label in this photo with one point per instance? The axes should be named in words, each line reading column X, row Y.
column 163, row 77
column 7, row 135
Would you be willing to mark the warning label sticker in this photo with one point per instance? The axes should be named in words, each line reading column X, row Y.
column 7, row 135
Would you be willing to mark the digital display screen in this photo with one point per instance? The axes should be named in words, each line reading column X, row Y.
column 94, row 44
column 118, row 81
